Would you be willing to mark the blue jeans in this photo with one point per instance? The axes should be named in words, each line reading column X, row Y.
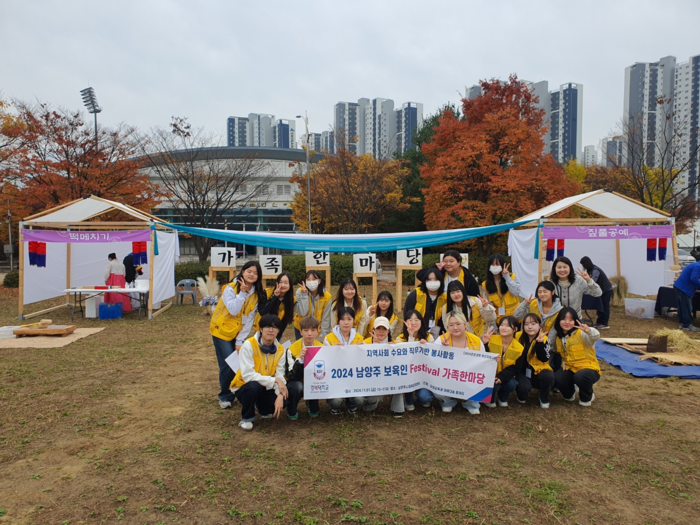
column 685, row 308
column 226, row 375
column 423, row 395
column 503, row 391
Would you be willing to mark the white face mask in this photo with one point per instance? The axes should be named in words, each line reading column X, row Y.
column 433, row 285
column 495, row 269
column 312, row 285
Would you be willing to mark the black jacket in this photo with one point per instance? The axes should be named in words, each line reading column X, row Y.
column 469, row 282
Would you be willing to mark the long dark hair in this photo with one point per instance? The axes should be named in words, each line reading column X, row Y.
column 258, row 286
column 553, row 275
column 562, row 314
column 389, row 311
column 587, row 264
column 491, row 286
column 466, row 308
column 288, row 299
column 346, row 310
column 439, row 276
column 314, row 273
column 524, row 338
column 340, row 298
column 422, row 331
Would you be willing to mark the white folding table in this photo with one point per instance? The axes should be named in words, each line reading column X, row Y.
column 141, row 288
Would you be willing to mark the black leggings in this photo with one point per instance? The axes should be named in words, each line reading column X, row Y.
column 544, row 381
column 584, row 379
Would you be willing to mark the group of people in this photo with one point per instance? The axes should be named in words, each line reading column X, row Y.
column 541, row 342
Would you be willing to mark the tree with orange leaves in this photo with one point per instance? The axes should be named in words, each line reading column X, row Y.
column 349, row 193
column 488, row 167
column 54, row 159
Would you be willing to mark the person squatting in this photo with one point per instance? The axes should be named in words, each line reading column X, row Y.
column 540, row 343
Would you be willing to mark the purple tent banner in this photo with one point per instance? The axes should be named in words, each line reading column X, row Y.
column 86, row 236
column 608, row 232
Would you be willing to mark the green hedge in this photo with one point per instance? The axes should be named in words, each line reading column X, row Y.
column 11, row 280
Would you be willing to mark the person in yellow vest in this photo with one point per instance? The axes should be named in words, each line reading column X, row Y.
column 451, row 267
column 295, row 379
column 428, row 298
column 260, row 380
column 502, row 287
column 477, row 310
column 232, row 320
column 511, row 359
column 546, row 305
column 312, row 299
column 384, row 307
column 536, row 373
column 414, row 329
column 280, row 302
column 348, row 295
column 344, row 333
column 576, row 344
column 457, row 336
column 381, row 333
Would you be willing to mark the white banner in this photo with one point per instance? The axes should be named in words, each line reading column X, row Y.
column 223, row 257
column 364, row 263
column 271, row 265
column 411, row 257
column 375, row 370
column 314, row 259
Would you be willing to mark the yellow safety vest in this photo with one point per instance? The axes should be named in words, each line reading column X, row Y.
column 535, row 363
column 264, row 364
column 548, row 323
column 295, row 348
column 226, row 326
column 422, row 301
column 321, row 303
column 577, row 355
column 358, row 314
column 510, row 356
column 507, row 301
column 334, row 341
column 370, row 325
column 280, row 310
column 473, row 342
column 476, row 322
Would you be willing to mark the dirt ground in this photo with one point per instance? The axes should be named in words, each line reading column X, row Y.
column 125, row 426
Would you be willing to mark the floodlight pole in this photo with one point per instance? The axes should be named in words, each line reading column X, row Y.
column 308, row 167
column 90, row 102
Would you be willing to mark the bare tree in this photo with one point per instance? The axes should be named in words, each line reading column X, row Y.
column 659, row 161
column 203, row 184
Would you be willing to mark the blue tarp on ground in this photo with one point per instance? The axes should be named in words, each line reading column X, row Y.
column 630, row 363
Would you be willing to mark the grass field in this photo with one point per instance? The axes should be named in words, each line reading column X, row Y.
column 125, row 426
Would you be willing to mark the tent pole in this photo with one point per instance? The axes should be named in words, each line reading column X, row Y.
column 672, row 220
column 617, row 257
column 68, row 250
column 150, row 276
column 539, row 260
column 20, row 310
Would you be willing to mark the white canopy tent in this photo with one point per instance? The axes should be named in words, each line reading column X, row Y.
column 627, row 258
column 83, row 264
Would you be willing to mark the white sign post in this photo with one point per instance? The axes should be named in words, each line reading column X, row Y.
column 365, row 265
column 411, row 259
column 222, row 260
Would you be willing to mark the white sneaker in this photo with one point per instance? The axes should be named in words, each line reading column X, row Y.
column 522, row 401
column 490, row 405
column 410, row 408
column 225, row 404
column 246, row 425
column 544, row 405
column 502, row 403
column 586, row 403
column 426, row 405
column 447, row 409
column 473, row 411
column 268, row 416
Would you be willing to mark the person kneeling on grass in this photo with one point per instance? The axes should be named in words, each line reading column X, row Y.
column 414, row 330
column 381, row 334
column 537, row 373
column 344, row 334
column 457, row 336
column 511, row 358
column 260, row 381
column 580, row 370
column 295, row 378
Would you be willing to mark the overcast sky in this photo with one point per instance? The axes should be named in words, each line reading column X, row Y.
column 149, row 60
